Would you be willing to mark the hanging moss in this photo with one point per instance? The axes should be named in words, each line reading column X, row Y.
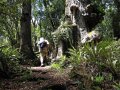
column 63, row 32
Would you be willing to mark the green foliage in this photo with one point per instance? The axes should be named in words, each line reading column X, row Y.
column 76, row 56
column 56, row 66
column 106, row 54
column 98, row 79
column 26, row 75
column 100, row 63
column 112, row 55
column 9, row 20
column 91, row 53
column 106, row 26
column 63, row 32
column 9, row 62
column 3, row 1
column 59, row 65
column 11, row 53
column 116, row 86
column 48, row 15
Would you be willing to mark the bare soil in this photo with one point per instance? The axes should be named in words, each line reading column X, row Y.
column 39, row 80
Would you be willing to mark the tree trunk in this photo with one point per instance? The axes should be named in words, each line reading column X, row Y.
column 79, row 27
column 25, row 43
column 84, row 15
column 116, row 20
column 81, row 16
column 4, row 68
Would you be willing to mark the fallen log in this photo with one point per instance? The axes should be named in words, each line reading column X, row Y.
column 46, row 68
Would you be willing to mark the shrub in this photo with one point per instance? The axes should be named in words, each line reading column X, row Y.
column 101, row 63
column 9, row 61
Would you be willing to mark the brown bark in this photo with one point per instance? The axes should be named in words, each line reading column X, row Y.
column 25, row 44
column 116, row 20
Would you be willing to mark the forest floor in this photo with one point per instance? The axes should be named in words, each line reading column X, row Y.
column 39, row 80
column 55, row 79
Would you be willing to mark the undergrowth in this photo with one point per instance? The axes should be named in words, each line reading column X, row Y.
column 9, row 62
column 96, row 67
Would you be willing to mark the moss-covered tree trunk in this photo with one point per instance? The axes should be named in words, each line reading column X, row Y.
column 74, row 9
column 80, row 18
column 84, row 15
column 25, row 44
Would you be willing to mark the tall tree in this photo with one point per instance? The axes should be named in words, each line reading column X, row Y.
column 26, row 44
column 84, row 16
column 116, row 20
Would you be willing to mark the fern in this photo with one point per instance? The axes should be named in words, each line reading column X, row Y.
column 116, row 86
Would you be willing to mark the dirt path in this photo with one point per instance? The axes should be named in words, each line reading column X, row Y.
column 40, row 80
